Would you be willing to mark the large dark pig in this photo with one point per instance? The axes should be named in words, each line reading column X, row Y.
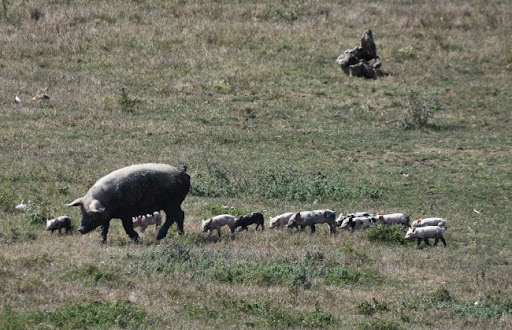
column 136, row 189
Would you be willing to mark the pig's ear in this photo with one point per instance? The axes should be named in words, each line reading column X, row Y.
column 76, row 202
column 95, row 206
column 297, row 215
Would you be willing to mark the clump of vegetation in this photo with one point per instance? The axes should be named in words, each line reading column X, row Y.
column 441, row 295
column 388, row 234
column 126, row 102
column 407, row 52
column 7, row 199
column 371, row 307
column 419, row 110
column 36, row 214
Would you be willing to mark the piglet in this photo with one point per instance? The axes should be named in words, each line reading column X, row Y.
column 424, row 233
column 252, row 218
column 355, row 223
column 217, row 222
column 391, row 219
column 59, row 223
column 429, row 222
column 143, row 221
column 280, row 220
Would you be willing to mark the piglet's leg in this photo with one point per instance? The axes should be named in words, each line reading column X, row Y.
column 426, row 241
column 419, row 242
column 442, row 240
column 332, row 229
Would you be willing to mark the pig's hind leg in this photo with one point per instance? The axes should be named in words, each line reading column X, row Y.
column 170, row 218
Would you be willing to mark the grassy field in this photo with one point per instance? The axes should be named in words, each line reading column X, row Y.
column 247, row 95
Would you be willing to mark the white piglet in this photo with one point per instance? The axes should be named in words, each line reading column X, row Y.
column 429, row 222
column 217, row 222
column 280, row 220
column 391, row 219
column 424, row 233
column 143, row 221
column 355, row 223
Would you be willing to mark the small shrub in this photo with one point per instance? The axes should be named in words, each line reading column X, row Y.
column 389, row 234
column 441, row 295
column 418, row 110
column 36, row 214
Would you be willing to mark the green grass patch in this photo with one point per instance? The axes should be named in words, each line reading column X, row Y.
column 97, row 314
column 224, row 267
column 260, row 313
column 386, row 234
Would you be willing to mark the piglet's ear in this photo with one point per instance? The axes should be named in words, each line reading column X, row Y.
column 210, row 220
column 297, row 215
column 278, row 220
column 95, row 206
column 76, row 202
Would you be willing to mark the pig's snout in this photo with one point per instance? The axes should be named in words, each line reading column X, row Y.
column 82, row 230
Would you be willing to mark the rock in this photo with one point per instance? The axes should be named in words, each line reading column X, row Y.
column 362, row 61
